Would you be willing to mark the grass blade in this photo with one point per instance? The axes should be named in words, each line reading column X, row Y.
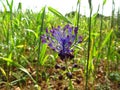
column 42, row 54
column 39, row 48
column 18, row 66
column 58, row 14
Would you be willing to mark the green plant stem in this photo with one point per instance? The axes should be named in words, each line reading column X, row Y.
column 71, row 85
column 78, row 17
column 89, row 46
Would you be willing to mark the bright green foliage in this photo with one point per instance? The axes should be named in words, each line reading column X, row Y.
column 21, row 47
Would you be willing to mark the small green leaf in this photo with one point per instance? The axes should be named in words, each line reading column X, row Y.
column 3, row 71
column 20, row 46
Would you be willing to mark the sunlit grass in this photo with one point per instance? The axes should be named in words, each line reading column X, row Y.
column 24, row 58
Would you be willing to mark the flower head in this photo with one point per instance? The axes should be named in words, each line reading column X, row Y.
column 62, row 40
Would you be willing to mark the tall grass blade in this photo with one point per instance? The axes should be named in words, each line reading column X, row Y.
column 5, row 8
column 101, row 27
column 78, row 16
column 89, row 45
column 58, row 14
column 109, row 54
column 10, row 5
column 117, row 37
column 105, row 41
column 39, row 48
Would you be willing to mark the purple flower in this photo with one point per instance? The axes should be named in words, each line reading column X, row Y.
column 62, row 40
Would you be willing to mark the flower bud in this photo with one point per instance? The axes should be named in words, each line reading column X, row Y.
column 57, row 66
column 69, row 75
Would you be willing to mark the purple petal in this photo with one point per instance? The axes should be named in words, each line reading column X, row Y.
column 43, row 39
column 66, row 27
column 51, row 46
column 46, row 30
column 69, row 43
column 59, row 27
column 72, row 38
column 70, row 30
column 76, row 30
column 80, row 39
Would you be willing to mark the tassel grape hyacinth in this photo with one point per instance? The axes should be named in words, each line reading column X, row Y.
column 62, row 40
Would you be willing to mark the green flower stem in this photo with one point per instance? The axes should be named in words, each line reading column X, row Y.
column 71, row 85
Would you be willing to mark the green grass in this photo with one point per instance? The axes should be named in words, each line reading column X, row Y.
column 21, row 48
